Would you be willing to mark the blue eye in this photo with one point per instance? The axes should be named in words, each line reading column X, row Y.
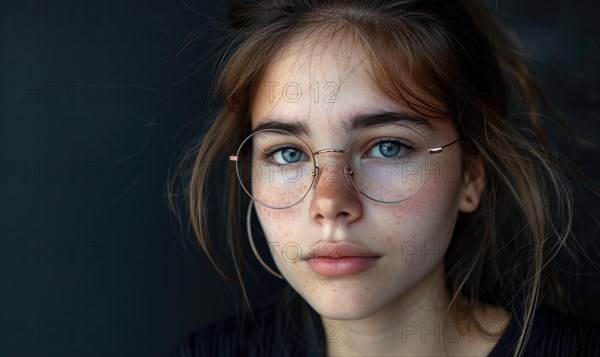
column 388, row 149
column 288, row 155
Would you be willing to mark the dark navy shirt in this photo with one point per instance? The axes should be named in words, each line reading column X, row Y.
column 292, row 328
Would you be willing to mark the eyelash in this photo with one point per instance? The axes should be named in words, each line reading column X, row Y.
column 396, row 141
column 268, row 154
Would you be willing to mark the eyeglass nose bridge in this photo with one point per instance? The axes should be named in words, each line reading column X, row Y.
column 347, row 169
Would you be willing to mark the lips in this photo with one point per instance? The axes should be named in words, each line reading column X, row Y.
column 339, row 259
column 338, row 250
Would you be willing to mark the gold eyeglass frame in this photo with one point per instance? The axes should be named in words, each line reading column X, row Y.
column 347, row 168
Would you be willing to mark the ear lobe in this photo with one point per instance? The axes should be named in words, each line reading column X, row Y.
column 473, row 184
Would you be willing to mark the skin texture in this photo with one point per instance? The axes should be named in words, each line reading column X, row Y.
column 371, row 312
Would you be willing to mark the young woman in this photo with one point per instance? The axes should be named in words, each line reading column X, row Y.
column 408, row 214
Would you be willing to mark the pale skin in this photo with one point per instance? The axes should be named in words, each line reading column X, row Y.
column 374, row 312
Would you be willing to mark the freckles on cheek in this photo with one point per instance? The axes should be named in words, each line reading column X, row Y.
column 279, row 197
column 426, row 218
column 416, row 241
column 277, row 224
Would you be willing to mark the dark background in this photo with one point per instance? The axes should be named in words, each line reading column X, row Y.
column 95, row 104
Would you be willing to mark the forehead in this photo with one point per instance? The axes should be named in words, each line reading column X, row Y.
column 318, row 82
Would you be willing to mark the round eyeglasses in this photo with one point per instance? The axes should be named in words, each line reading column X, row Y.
column 388, row 163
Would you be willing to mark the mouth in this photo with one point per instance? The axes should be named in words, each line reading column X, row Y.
column 340, row 259
column 341, row 266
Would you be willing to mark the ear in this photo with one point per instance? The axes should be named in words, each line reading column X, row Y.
column 473, row 184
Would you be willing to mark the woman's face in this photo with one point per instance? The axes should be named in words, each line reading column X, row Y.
column 322, row 91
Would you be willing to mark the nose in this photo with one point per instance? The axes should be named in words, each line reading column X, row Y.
column 334, row 198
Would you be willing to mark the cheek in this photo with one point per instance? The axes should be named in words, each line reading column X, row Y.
column 287, row 236
column 419, row 223
column 279, row 225
column 281, row 195
column 421, row 227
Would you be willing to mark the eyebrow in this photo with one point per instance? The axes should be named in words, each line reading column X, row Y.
column 361, row 121
column 356, row 122
column 295, row 128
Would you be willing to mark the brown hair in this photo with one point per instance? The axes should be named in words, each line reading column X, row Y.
column 464, row 59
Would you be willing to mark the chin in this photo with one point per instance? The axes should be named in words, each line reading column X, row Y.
column 349, row 311
column 342, row 304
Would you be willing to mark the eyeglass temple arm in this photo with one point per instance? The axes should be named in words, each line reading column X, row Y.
column 441, row 148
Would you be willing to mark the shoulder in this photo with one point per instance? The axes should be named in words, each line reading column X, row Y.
column 278, row 329
column 557, row 332
column 553, row 333
column 229, row 336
